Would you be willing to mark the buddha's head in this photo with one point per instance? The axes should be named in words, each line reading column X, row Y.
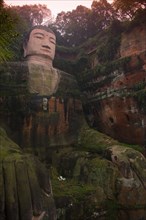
column 40, row 42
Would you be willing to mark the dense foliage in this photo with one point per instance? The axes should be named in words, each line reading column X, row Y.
column 32, row 14
column 72, row 28
column 7, row 32
column 75, row 27
column 14, row 22
column 130, row 7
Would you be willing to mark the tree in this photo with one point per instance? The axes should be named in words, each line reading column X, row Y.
column 8, row 32
column 14, row 21
column 71, row 27
column 103, row 14
column 33, row 14
column 129, row 7
column 26, row 16
column 74, row 28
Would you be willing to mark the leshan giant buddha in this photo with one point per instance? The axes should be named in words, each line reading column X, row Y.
column 42, row 112
column 46, row 110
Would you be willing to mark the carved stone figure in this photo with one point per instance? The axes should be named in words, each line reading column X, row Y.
column 47, row 103
column 42, row 112
column 39, row 51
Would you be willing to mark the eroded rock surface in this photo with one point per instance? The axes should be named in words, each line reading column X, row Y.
column 25, row 187
column 106, row 182
column 93, row 176
column 116, row 94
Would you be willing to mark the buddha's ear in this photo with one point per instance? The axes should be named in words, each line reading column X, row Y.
column 24, row 50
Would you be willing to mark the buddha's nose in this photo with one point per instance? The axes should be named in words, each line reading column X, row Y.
column 46, row 46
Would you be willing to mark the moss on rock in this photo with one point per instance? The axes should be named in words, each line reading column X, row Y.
column 94, row 141
column 23, row 194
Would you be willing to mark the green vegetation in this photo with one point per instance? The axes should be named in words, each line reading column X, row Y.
column 14, row 22
column 84, row 195
column 69, row 187
column 110, row 47
column 139, row 92
column 65, row 65
column 72, row 28
column 141, row 98
column 93, row 141
column 91, row 177
column 8, row 33
column 8, row 148
column 129, row 7
column 133, row 146
column 112, row 209
column 109, row 67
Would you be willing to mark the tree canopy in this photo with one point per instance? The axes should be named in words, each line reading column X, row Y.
column 14, row 22
column 129, row 7
column 32, row 14
column 8, row 32
column 73, row 28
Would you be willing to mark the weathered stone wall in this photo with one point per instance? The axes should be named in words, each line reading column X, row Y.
column 25, row 187
column 133, row 42
column 116, row 102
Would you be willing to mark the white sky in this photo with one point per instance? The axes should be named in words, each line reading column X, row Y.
column 55, row 6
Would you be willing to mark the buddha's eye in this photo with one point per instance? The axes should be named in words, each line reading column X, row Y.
column 39, row 37
column 52, row 41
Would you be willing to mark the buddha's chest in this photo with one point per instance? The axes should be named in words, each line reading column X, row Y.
column 42, row 80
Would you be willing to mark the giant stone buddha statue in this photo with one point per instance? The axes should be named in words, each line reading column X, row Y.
column 40, row 111
column 45, row 105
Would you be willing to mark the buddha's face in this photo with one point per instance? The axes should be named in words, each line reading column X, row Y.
column 41, row 43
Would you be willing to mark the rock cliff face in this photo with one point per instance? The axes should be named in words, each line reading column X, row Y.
column 99, row 182
column 116, row 96
column 25, row 187
column 97, row 179
column 133, row 42
column 93, row 176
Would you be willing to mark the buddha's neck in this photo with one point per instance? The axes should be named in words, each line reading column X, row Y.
column 39, row 60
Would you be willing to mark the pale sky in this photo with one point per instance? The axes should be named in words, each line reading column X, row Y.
column 55, row 6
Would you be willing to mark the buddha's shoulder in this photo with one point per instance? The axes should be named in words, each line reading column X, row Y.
column 67, row 83
column 13, row 67
column 13, row 71
column 66, row 77
column 15, row 64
